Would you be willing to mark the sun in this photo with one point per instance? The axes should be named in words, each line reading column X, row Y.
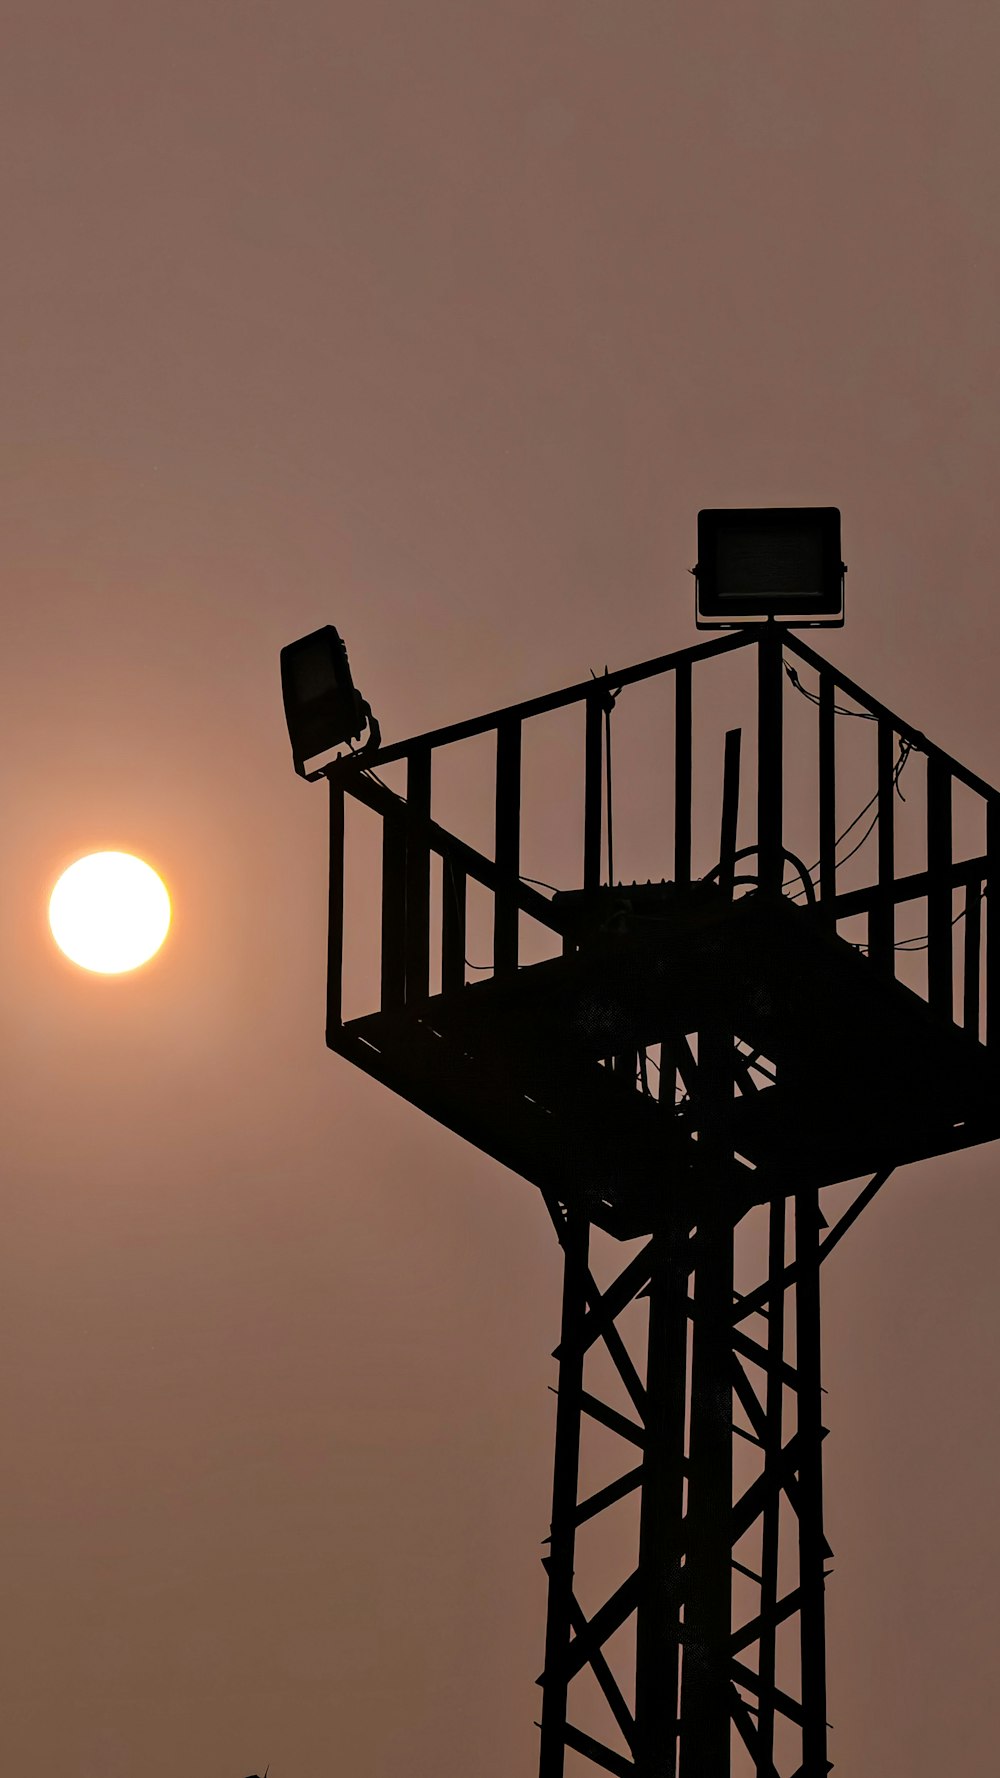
column 109, row 912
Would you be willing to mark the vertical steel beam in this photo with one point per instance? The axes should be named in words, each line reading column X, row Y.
column 335, row 914
column 705, row 1679
column 507, row 845
column 657, row 1658
column 682, row 773
column 827, row 796
column 812, row 1546
column 940, row 963
column 575, row 1236
column 771, row 1515
column 770, row 860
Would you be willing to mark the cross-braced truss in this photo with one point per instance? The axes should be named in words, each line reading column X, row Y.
column 709, row 1655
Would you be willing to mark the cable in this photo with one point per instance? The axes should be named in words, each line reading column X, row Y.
column 905, row 749
column 838, row 709
column 368, row 772
column 921, row 941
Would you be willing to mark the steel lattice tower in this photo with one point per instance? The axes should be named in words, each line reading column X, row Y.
column 710, row 1656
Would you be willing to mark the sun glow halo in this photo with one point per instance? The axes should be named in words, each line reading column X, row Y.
column 109, row 912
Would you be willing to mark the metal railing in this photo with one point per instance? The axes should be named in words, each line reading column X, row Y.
column 410, row 837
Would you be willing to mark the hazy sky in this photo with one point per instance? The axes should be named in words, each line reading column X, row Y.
column 439, row 322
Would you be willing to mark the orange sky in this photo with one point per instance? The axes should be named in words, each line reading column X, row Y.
column 438, row 322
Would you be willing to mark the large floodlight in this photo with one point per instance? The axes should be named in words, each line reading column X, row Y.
column 323, row 708
column 778, row 562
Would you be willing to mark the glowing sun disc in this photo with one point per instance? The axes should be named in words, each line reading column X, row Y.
column 109, row 912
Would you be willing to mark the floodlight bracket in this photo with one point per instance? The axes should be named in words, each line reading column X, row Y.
column 770, row 621
column 370, row 746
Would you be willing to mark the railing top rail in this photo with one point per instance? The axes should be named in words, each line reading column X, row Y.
column 349, row 764
column 908, row 730
column 556, row 700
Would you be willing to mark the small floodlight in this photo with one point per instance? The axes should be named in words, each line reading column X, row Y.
column 777, row 562
column 323, row 708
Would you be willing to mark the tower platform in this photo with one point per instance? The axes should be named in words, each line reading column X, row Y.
column 838, row 1068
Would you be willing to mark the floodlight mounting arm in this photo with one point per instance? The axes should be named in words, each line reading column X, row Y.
column 371, row 746
column 374, row 740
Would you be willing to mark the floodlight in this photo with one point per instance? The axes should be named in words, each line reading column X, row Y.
column 323, row 708
column 777, row 562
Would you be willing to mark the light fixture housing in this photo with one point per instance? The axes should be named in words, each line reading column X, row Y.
column 777, row 563
column 323, row 707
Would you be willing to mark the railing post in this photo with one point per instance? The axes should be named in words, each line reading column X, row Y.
column 827, row 797
column 335, row 916
column 418, row 874
column 770, row 862
column 393, row 996
column 730, row 811
column 592, row 794
column 682, row 773
column 973, row 952
column 940, row 963
column 992, row 892
column 453, row 890
column 507, row 848
column 882, row 921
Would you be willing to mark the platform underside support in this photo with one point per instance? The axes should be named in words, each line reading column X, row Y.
column 689, row 1422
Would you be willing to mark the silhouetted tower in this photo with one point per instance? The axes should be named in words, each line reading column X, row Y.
column 681, row 1075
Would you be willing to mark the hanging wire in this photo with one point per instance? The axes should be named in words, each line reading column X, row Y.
column 921, row 940
column 813, row 697
column 905, row 749
column 367, row 771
